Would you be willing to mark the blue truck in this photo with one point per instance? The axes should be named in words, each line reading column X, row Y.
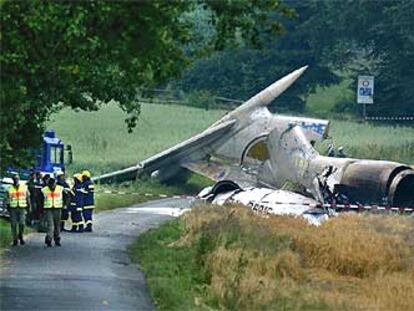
column 50, row 159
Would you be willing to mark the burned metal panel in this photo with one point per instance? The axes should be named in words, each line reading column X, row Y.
column 368, row 181
column 290, row 156
column 266, row 201
column 362, row 181
column 401, row 191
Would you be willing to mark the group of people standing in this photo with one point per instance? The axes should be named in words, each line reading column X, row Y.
column 79, row 202
column 52, row 201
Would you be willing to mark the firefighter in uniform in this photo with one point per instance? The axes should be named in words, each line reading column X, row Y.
column 61, row 181
column 89, row 199
column 53, row 204
column 76, row 204
column 18, row 200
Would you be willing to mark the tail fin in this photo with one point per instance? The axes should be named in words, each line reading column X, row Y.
column 266, row 96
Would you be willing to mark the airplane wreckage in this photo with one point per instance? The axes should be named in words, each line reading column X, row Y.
column 251, row 153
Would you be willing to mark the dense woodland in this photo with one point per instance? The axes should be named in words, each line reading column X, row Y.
column 339, row 40
column 83, row 54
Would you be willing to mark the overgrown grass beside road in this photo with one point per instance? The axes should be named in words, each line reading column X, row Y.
column 5, row 234
column 228, row 258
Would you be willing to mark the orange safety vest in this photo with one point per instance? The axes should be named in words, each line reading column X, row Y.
column 18, row 196
column 53, row 199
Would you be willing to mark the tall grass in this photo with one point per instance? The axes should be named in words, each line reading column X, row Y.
column 250, row 263
column 363, row 140
column 5, row 234
column 5, row 237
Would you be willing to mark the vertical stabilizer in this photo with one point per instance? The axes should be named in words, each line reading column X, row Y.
column 266, row 96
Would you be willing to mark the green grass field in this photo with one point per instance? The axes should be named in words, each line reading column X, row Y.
column 322, row 102
column 101, row 142
column 364, row 140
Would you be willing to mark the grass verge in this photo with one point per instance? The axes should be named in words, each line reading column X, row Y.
column 227, row 258
column 5, row 234
column 172, row 273
column 6, row 237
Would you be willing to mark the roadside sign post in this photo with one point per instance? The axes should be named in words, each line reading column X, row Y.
column 365, row 92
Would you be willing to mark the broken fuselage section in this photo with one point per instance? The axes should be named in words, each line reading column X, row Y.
column 250, row 147
column 355, row 180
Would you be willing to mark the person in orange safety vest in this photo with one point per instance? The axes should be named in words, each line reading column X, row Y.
column 18, row 201
column 53, row 204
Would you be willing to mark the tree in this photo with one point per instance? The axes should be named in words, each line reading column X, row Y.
column 241, row 73
column 353, row 37
column 371, row 37
column 82, row 54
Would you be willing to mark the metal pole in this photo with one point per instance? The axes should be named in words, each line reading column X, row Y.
column 364, row 111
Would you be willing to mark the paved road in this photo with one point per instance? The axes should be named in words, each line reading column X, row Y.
column 91, row 271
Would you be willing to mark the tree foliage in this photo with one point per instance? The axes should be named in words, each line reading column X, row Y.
column 242, row 72
column 370, row 37
column 81, row 54
column 353, row 37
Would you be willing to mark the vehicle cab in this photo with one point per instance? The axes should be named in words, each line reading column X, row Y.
column 51, row 158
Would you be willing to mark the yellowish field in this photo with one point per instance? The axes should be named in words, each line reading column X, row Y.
column 235, row 260
column 353, row 261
